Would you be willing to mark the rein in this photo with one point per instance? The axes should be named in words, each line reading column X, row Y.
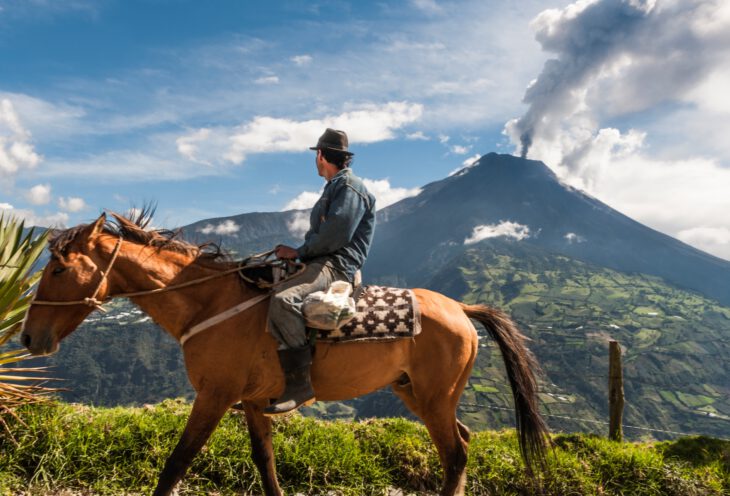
column 92, row 301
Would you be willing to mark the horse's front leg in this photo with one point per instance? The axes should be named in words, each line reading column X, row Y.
column 262, row 450
column 208, row 409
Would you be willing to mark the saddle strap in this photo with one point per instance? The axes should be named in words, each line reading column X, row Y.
column 216, row 319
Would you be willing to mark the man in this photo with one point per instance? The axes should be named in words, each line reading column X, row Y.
column 335, row 247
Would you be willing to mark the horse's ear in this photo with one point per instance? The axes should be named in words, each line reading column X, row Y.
column 97, row 226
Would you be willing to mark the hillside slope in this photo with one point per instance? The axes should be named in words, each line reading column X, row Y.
column 416, row 235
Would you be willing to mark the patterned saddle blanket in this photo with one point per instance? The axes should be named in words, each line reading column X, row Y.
column 383, row 313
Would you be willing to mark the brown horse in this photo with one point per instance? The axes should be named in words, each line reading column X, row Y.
column 235, row 360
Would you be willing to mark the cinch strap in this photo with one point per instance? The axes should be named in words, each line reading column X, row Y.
column 227, row 314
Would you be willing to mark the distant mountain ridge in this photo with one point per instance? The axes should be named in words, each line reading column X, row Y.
column 414, row 236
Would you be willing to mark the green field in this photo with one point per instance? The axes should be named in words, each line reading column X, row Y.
column 121, row 450
column 675, row 343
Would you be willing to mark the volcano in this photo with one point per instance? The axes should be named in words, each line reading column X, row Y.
column 416, row 235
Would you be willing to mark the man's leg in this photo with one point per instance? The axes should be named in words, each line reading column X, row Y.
column 287, row 325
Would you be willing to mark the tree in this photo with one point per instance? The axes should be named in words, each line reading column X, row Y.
column 18, row 256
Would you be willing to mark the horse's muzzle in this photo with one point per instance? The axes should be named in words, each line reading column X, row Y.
column 39, row 345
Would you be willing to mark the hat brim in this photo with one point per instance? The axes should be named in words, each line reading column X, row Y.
column 330, row 148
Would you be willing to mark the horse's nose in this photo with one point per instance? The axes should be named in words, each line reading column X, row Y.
column 25, row 339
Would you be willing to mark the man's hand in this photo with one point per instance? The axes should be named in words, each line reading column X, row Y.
column 286, row 252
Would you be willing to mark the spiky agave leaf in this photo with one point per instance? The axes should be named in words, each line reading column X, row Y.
column 18, row 254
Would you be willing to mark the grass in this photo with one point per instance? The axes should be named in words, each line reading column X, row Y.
column 122, row 450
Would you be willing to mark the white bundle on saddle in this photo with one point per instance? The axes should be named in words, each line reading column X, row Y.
column 330, row 309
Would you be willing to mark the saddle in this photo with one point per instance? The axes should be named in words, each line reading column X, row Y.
column 268, row 273
column 383, row 313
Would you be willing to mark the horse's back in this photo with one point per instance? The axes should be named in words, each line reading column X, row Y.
column 447, row 344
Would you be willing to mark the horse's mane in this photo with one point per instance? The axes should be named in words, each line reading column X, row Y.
column 133, row 227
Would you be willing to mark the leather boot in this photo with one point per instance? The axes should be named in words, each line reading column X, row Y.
column 296, row 363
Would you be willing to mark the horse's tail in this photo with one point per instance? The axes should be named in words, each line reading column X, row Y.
column 521, row 369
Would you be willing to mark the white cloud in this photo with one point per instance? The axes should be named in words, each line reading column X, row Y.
column 40, row 194
column 504, row 228
column 460, row 150
column 582, row 157
column 381, row 189
column 131, row 166
column 574, row 238
column 305, row 200
column 267, row 80
column 48, row 121
column 364, row 124
column 16, row 150
column 298, row 224
column 471, row 161
column 466, row 165
column 71, row 204
column 418, row 135
column 302, row 60
column 187, row 146
column 225, row 228
column 31, row 218
column 385, row 194
column 463, row 86
column 714, row 240
column 672, row 196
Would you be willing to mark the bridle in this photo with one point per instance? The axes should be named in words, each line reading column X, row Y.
column 259, row 261
column 90, row 301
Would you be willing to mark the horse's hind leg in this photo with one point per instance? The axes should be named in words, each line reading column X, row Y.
column 262, row 451
column 448, row 434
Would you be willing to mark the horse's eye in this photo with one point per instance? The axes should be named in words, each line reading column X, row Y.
column 58, row 270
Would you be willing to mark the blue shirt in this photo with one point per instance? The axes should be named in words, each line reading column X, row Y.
column 342, row 223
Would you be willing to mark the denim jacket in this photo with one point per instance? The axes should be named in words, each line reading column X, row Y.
column 342, row 223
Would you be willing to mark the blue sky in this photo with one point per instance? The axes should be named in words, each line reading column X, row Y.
column 208, row 108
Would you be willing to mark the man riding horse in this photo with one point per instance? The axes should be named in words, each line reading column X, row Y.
column 341, row 229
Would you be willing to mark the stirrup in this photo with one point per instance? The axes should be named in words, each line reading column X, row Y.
column 287, row 407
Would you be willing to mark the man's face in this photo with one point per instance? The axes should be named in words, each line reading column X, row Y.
column 320, row 163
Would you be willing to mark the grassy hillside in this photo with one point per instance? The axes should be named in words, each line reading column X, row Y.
column 109, row 451
column 675, row 343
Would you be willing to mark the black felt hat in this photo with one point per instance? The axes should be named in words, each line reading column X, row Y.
column 333, row 139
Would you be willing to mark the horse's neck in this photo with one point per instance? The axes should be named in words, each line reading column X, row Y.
column 147, row 269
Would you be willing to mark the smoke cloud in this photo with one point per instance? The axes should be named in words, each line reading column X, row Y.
column 614, row 58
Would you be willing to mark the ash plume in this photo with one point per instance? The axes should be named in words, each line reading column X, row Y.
column 614, row 58
column 586, row 41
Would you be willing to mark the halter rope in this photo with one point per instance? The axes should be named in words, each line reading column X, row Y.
column 89, row 301
column 226, row 314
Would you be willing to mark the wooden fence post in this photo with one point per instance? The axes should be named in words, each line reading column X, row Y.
column 615, row 392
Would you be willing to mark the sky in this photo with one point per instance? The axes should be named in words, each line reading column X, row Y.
column 208, row 108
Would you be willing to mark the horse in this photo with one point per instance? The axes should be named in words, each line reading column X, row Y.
column 234, row 361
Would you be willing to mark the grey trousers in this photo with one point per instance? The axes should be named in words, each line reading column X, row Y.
column 286, row 321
